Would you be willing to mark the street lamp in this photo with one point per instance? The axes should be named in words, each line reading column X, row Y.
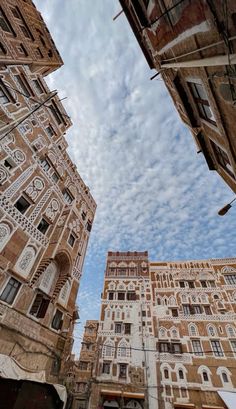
column 226, row 208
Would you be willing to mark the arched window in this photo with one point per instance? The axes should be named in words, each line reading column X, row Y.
column 193, row 331
column 205, row 376
column 181, row 374
column 26, row 261
column 174, row 333
column 158, row 301
column 230, row 331
column 5, row 233
column 64, row 293
column 118, row 314
column 108, row 349
column 162, row 333
column 225, row 377
column 211, row 331
column 108, row 313
column 172, row 300
column 123, row 350
column 184, row 298
column 48, row 277
column 166, row 373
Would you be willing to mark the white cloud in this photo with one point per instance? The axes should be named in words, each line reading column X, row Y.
column 152, row 190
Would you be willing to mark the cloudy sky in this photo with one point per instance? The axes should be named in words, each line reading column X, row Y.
column 152, row 190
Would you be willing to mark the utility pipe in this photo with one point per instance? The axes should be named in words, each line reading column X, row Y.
column 204, row 62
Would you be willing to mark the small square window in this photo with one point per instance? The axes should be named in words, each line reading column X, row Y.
column 118, row 328
column 8, row 164
column 22, row 204
column 123, row 371
column 106, row 368
column 182, row 284
column 43, row 226
column 121, row 296
column 71, row 240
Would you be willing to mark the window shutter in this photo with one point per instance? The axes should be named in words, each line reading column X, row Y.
column 36, row 304
column 43, row 308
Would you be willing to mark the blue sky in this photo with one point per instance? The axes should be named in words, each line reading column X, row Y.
column 153, row 191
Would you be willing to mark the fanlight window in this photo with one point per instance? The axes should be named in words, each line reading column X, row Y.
column 211, row 331
column 162, row 333
column 64, row 294
column 193, row 331
column 108, row 349
column 48, row 278
column 5, row 232
column 123, row 350
column 230, row 331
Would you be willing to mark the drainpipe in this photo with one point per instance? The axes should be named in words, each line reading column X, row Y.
column 204, row 62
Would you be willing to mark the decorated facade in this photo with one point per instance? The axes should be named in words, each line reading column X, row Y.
column 191, row 44
column 167, row 334
column 46, row 212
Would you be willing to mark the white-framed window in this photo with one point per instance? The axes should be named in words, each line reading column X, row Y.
column 225, row 376
column 197, row 347
column 201, row 100
column 10, row 291
column 5, row 233
column 230, row 331
column 162, row 333
column 64, row 293
column 193, row 330
column 205, row 373
column 216, row 348
column 211, row 331
column 108, row 349
column 123, row 350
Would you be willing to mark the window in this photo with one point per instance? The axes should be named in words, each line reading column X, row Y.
column 5, row 95
column 83, row 365
column 127, row 329
column 233, row 346
column 139, row 13
column 164, row 347
column 216, row 348
column 144, row 313
column 56, row 113
column 225, row 377
column 24, row 85
column 71, row 240
column 121, row 296
column 181, row 374
column 207, row 309
column 57, row 320
column 55, row 177
column 106, row 368
column 174, row 9
column 17, row 14
column 22, row 204
column 50, row 131
column 176, row 348
column 23, row 50
column 223, row 159
column 4, row 23
column 84, row 215
column 43, row 226
column 110, row 296
column 186, row 309
column 183, row 392
column 38, row 86
column 203, row 284
column 211, row 331
column 2, row 49
column 131, row 296
column 174, row 312
column 45, row 164
column 197, row 347
column 230, row 279
column 205, row 376
column 89, row 225
column 39, row 306
column 67, row 196
column 10, row 291
column 118, row 328
column 123, row 370
column 166, row 374
column 182, row 284
column 193, row 330
column 191, row 284
column 212, row 283
column 197, row 309
column 202, row 102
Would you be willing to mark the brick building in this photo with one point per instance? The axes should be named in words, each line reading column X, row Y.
column 192, row 45
column 83, row 368
column 167, row 334
column 46, row 215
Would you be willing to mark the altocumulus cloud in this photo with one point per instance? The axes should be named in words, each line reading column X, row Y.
column 152, row 190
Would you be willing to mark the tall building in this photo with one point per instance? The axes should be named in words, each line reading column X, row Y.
column 167, row 334
column 82, row 370
column 191, row 44
column 46, row 215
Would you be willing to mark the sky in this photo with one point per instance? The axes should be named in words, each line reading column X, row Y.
column 153, row 191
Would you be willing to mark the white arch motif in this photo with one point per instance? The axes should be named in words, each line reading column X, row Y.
column 48, row 277
column 123, row 350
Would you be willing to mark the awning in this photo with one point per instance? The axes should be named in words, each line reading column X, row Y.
column 11, row 369
column 134, row 395
column 229, row 398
